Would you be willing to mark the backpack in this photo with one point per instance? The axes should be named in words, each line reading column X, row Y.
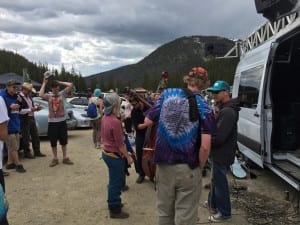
column 92, row 110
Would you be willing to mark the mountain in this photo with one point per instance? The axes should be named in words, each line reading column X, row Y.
column 177, row 58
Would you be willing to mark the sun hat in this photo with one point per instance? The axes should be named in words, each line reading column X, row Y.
column 97, row 92
column 109, row 102
column 219, row 85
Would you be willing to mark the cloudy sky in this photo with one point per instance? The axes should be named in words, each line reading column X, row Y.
column 98, row 35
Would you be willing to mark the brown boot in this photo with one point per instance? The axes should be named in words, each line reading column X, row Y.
column 118, row 214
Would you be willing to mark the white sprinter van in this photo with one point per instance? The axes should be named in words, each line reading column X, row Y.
column 267, row 83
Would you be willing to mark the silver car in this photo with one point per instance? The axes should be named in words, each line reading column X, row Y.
column 80, row 115
column 41, row 117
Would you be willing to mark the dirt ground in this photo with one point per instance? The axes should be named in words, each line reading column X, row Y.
column 76, row 195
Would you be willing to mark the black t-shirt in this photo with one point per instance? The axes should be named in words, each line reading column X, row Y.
column 137, row 117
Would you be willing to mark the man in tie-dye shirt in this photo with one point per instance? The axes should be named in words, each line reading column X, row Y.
column 182, row 148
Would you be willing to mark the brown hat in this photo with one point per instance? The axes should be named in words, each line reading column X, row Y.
column 12, row 82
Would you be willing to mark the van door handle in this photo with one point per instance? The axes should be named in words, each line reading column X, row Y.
column 256, row 114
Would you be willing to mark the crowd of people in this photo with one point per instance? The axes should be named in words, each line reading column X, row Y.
column 188, row 133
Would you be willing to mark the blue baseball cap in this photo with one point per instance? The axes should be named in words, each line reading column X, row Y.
column 219, row 85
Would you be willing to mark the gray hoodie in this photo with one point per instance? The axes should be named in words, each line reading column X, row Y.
column 224, row 142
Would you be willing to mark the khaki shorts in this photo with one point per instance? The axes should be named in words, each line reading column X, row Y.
column 13, row 142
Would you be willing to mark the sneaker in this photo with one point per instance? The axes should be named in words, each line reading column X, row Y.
column 218, row 218
column 11, row 166
column 54, row 162
column 67, row 161
column 20, row 168
column 212, row 210
column 140, row 179
column 5, row 174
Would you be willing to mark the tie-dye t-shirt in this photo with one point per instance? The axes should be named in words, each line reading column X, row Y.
column 176, row 134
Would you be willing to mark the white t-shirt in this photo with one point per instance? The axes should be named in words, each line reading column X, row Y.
column 3, row 117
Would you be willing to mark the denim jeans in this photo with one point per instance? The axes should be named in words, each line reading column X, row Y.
column 219, row 198
column 116, row 179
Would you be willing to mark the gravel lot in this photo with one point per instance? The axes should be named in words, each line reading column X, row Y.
column 76, row 195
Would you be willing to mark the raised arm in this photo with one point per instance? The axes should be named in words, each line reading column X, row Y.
column 68, row 85
column 42, row 90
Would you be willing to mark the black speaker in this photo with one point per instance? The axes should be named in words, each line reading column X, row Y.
column 274, row 9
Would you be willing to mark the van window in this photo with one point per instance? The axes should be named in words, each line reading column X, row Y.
column 249, row 87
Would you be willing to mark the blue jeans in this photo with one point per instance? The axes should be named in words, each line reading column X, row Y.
column 219, row 198
column 116, row 178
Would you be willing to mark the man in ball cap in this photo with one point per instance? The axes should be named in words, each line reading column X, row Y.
column 13, row 102
column 179, row 154
column 223, row 150
column 114, row 152
column 28, row 125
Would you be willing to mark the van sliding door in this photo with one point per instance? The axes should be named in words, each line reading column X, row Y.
column 249, row 125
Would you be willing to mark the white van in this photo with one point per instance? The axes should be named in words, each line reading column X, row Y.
column 267, row 83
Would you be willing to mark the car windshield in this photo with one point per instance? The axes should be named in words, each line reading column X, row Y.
column 69, row 105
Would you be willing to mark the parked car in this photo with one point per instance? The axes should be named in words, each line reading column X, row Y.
column 80, row 115
column 79, row 102
column 41, row 117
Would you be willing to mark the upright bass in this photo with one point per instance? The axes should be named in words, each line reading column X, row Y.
column 148, row 149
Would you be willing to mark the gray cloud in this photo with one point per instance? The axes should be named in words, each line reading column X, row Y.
column 105, row 34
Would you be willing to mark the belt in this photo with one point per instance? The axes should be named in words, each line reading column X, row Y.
column 112, row 154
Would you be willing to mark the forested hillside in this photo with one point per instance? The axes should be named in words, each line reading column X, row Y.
column 177, row 57
column 13, row 62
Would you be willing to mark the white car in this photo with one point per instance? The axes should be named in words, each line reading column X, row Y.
column 79, row 102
